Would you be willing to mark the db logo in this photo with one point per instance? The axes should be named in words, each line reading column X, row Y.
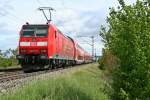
column 33, row 44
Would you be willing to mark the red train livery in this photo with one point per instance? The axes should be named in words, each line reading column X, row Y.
column 44, row 46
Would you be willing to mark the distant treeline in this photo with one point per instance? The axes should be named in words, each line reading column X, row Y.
column 8, row 58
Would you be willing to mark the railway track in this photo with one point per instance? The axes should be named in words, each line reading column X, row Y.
column 10, row 69
column 11, row 80
column 19, row 74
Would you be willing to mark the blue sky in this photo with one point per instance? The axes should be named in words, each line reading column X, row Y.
column 72, row 17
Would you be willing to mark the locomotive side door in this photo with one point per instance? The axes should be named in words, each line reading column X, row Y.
column 57, row 43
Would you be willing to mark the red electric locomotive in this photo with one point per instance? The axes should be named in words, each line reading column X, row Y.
column 44, row 46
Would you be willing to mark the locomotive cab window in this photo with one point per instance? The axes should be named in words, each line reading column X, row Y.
column 35, row 32
column 41, row 33
column 28, row 33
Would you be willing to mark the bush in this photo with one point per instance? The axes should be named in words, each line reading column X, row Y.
column 7, row 62
column 108, row 60
column 128, row 38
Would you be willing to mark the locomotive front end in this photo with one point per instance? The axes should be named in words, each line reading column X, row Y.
column 33, row 46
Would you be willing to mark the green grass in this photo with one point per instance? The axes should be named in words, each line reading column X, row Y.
column 82, row 84
column 8, row 63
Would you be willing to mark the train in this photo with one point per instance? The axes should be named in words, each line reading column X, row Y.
column 43, row 46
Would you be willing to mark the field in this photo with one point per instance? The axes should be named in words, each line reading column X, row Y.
column 81, row 84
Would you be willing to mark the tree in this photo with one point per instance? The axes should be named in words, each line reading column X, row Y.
column 128, row 38
column 1, row 53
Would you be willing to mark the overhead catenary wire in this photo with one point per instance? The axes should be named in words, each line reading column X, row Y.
column 92, row 43
column 39, row 2
column 16, row 17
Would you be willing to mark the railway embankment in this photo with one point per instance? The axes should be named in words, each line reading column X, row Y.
column 83, row 82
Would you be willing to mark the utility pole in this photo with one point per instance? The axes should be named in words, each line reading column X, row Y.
column 92, row 37
column 91, row 44
column 49, row 9
column 95, row 55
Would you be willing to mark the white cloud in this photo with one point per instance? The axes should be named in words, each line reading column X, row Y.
column 5, row 7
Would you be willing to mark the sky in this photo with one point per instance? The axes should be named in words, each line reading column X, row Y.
column 74, row 18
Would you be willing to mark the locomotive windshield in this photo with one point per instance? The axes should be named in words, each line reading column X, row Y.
column 34, row 31
column 28, row 33
column 41, row 33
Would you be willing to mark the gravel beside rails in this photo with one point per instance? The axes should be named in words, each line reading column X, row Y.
column 8, row 68
column 11, row 86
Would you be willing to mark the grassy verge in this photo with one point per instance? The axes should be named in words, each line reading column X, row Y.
column 8, row 63
column 82, row 84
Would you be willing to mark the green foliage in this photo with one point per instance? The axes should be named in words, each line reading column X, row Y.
column 107, row 60
column 7, row 58
column 128, row 38
column 7, row 62
column 83, row 84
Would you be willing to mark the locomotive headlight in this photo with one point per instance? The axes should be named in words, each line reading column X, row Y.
column 43, row 51
column 22, row 51
column 41, row 43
